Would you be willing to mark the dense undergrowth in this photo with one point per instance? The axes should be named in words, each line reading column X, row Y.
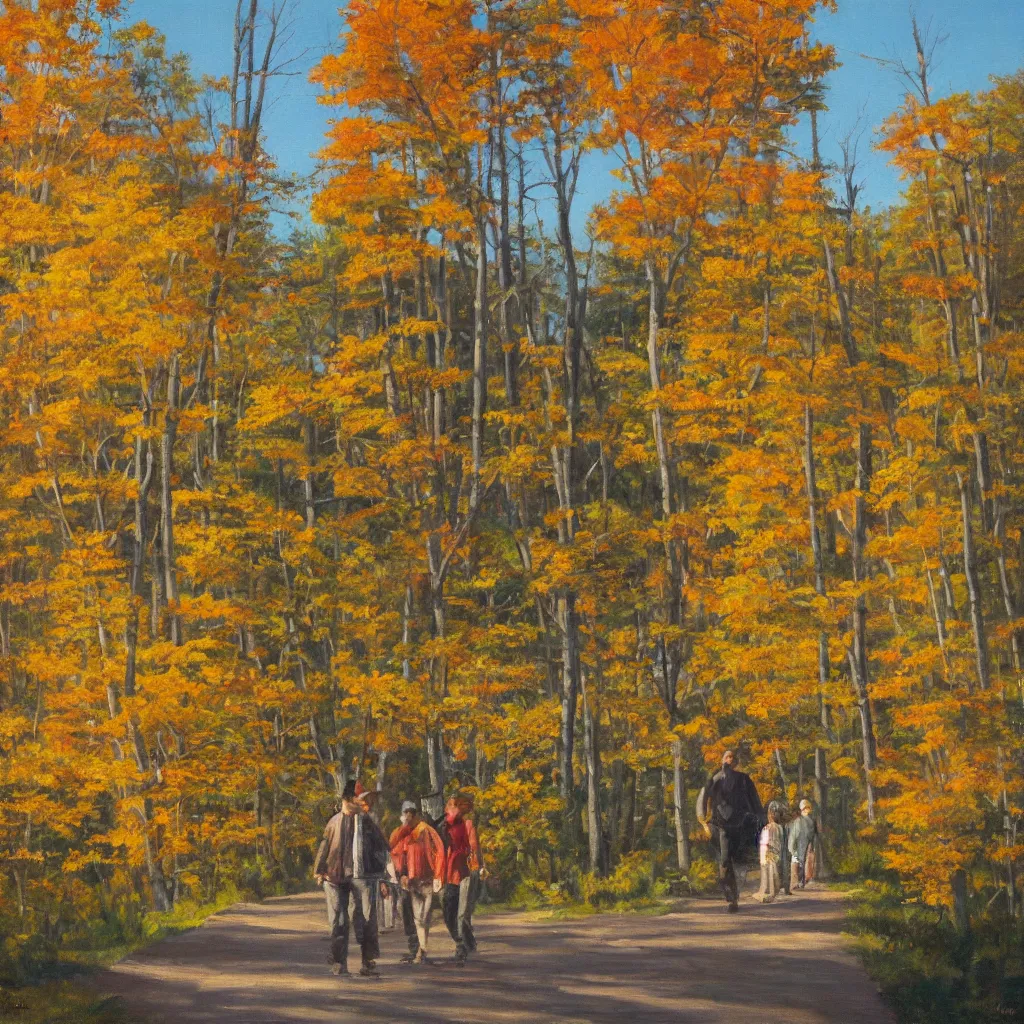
column 642, row 882
column 927, row 970
column 42, row 982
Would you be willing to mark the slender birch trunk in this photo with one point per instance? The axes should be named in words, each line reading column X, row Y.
column 981, row 657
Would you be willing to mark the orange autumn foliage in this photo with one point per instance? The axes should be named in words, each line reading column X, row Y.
column 448, row 493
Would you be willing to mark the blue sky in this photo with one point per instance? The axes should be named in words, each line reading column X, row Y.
column 985, row 37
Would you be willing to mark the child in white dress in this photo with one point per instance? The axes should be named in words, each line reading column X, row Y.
column 770, row 847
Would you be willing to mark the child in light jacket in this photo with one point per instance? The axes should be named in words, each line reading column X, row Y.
column 770, row 845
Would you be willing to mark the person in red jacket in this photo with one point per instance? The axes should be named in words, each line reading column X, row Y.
column 463, row 871
column 418, row 856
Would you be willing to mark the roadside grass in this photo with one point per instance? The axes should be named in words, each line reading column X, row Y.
column 577, row 911
column 50, row 989
column 926, row 970
column 60, row 1003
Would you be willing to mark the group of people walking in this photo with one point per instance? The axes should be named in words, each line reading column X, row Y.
column 358, row 867
column 731, row 811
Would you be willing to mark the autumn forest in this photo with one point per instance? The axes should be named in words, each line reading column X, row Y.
column 454, row 486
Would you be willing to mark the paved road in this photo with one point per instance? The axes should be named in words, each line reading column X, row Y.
column 266, row 964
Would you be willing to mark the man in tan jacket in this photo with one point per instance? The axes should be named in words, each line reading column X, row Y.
column 352, row 860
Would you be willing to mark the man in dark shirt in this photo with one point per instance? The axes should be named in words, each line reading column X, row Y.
column 351, row 861
column 734, row 810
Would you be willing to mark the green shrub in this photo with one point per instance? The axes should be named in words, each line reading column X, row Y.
column 638, row 882
column 632, row 880
column 930, row 972
column 862, row 861
column 702, row 876
column 536, row 894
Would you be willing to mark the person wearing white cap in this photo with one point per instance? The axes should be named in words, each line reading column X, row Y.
column 418, row 855
column 801, row 844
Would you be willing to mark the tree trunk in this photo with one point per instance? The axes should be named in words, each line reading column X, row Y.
column 859, row 654
column 479, row 363
column 510, row 343
column 157, row 880
column 569, row 628
column 824, row 668
column 629, row 818
column 566, row 468
column 433, row 803
column 615, row 809
column 679, row 808
column 1006, row 587
column 961, row 912
column 144, row 478
column 973, row 585
column 309, row 482
column 821, row 795
column 1009, row 841
column 167, row 440
column 595, row 831
column 671, row 651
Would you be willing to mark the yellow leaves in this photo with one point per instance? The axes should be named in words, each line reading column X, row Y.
column 846, row 768
column 633, row 453
column 194, row 419
column 358, row 482
column 284, row 398
column 14, row 726
column 27, row 484
column 620, row 365
column 523, row 462
column 207, row 608
column 917, row 429
column 698, row 727
column 410, row 327
column 715, row 269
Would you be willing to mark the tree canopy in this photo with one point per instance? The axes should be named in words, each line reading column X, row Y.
column 442, row 492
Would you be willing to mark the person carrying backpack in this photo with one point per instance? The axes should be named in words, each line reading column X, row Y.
column 419, row 858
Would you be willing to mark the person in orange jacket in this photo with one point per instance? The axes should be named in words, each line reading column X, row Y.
column 417, row 853
column 463, row 872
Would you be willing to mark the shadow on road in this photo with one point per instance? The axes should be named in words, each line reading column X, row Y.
column 267, row 964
